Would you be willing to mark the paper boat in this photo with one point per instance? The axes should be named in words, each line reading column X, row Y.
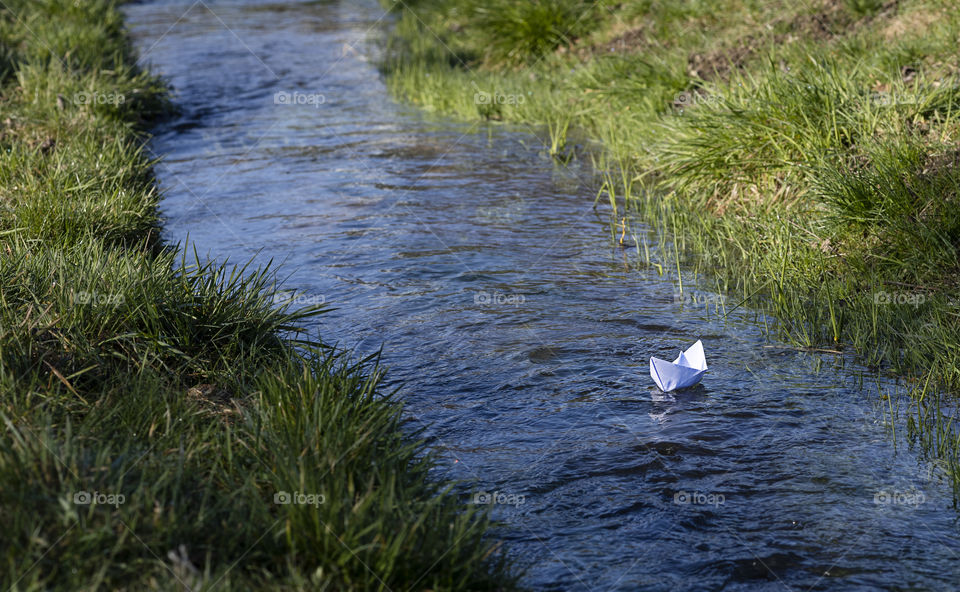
column 686, row 370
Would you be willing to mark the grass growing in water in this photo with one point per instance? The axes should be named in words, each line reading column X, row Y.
column 165, row 425
column 803, row 156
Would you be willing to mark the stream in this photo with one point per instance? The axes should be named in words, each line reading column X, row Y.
column 518, row 336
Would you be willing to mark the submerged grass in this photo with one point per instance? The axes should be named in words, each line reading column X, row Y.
column 802, row 156
column 166, row 425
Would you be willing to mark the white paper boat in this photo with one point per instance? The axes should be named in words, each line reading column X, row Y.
column 686, row 370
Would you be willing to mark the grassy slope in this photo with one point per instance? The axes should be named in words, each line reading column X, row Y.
column 802, row 154
column 132, row 371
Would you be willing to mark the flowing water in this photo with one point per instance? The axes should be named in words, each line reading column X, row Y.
column 518, row 337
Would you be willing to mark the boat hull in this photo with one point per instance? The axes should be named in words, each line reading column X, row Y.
column 670, row 376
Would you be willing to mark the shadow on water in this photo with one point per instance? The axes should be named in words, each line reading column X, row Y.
column 518, row 339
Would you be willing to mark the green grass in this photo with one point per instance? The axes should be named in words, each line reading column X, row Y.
column 176, row 392
column 522, row 31
column 801, row 157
